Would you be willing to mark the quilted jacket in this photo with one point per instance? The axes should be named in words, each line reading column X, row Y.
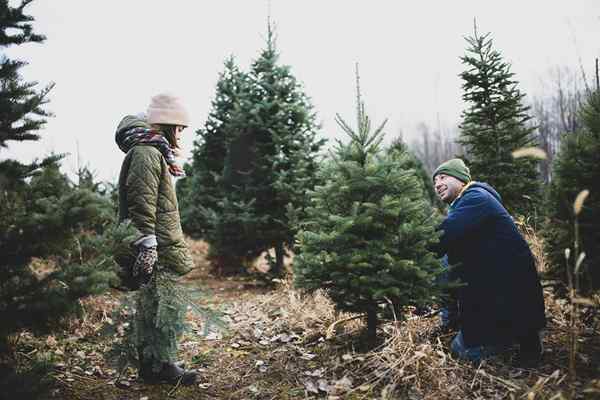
column 147, row 198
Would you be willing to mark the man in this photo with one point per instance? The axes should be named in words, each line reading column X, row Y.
column 500, row 301
column 147, row 199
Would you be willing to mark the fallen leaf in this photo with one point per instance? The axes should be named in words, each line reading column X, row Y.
column 123, row 384
column 308, row 356
column 51, row 341
column 324, row 385
column 310, row 386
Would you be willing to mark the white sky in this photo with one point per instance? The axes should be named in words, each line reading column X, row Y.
column 109, row 57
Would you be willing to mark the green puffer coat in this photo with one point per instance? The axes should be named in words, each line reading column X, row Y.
column 147, row 198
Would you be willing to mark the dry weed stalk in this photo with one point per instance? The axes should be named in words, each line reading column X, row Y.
column 535, row 241
column 574, row 288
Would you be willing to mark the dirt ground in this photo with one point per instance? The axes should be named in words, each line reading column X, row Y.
column 280, row 344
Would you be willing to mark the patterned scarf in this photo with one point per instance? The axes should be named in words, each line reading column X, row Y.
column 129, row 138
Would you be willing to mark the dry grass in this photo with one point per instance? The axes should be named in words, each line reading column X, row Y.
column 282, row 344
column 536, row 243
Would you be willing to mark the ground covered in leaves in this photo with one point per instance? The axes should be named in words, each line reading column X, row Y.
column 280, row 344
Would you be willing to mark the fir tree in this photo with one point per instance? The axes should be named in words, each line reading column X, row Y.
column 202, row 191
column 400, row 149
column 577, row 168
column 270, row 164
column 277, row 124
column 42, row 213
column 368, row 231
column 67, row 226
column 21, row 105
column 496, row 123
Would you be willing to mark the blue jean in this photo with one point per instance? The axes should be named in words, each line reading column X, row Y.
column 449, row 310
column 476, row 353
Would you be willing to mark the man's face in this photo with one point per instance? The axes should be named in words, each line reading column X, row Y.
column 447, row 187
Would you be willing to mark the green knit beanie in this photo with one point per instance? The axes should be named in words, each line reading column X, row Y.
column 456, row 168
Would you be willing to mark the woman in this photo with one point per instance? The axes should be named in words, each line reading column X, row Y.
column 147, row 198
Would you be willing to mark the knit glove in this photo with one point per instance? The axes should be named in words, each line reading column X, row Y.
column 144, row 263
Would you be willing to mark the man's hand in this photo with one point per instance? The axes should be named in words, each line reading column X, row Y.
column 144, row 263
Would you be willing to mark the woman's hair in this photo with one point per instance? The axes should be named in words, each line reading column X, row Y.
column 169, row 132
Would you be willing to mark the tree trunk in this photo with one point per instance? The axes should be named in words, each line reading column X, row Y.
column 372, row 327
column 277, row 269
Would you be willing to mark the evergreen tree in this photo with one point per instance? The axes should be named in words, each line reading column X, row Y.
column 400, row 149
column 496, row 123
column 42, row 213
column 267, row 125
column 277, row 126
column 577, row 168
column 202, row 191
column 67, row 226
column 21, row 105
column 368, row 231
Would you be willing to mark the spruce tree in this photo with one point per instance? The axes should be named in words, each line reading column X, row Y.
column 365, row 240
column 281, row 121
column 269, row 166
column 495, row 124
column 42, row 214
column 202, row 190
column 21, row 105
column 400, row 149
column 576, row 168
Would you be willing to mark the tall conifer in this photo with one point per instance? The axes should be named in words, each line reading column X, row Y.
column 576, row 168
column 495, row 124
column 22, row 113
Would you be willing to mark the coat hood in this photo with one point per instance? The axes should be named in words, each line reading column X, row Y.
column 486, row 187
column 131, row 121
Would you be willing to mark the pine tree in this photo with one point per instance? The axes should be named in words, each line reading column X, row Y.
column 269, row 166
column 68, row 226
column 495, row 124
column 21, row 106
column 368, row 231
column 42, row 213
column 281, row 124
column 576, row 168
column 400, row 149
column 202, row 191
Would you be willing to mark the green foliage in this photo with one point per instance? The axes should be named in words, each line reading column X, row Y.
column 495, row 124
column 159, row 320
column 202, row 191
column 369, row 228
column 276, row 125
column 399, row 148
column 257, row 156
column 44, row 216
column 27, row 382
column 21, row 106
column 576, row 169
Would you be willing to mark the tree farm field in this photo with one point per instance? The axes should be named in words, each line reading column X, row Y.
column 281, row 344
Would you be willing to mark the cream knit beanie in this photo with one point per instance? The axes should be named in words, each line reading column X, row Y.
column 167, row 109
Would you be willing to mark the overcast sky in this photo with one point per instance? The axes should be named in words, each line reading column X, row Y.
column 109, row 57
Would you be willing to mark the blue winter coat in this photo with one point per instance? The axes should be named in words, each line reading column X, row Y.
column 502, row 297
